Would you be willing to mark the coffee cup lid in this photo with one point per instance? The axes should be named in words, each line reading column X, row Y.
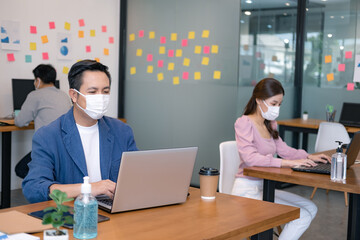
column 209, row 171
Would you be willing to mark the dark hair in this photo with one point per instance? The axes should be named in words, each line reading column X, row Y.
column 46, row 73
column 76, row 72
column 266, row 88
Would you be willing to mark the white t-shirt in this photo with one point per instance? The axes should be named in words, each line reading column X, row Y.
column 90, row 142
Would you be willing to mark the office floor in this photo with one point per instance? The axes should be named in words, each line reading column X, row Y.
column 330, row 222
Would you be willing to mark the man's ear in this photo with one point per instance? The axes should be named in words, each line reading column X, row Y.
column 73, row 95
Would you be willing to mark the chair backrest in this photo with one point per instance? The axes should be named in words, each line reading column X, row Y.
column 328, row 133
column 229, row 165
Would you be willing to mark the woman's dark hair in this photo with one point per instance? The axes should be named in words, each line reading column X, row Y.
column 266, row 88
column 46, row 73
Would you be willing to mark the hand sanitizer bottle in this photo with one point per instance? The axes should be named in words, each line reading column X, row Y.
column 338, row 165
column 86, row 213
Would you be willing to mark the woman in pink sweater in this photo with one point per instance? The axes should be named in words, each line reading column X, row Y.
column 258, row 142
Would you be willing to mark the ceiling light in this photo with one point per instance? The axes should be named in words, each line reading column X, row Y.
column 242, row 21
column 286, row 41
column 269, row 26
column 285, row 14
column 248, row 1
column 341, row 47
column 248, row 13
column 342, row 17
column 287, row 4
column 329, row 35
column 331, row 16
column 307, row 9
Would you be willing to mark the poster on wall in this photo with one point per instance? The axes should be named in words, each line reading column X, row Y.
column 64, row 46
column 357, row 69
column 10, row 35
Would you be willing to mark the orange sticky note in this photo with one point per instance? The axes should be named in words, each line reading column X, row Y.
column 191, row 35
column 32, row 46
column 197, row 75
column 92, row 33
column 330, row 77
column 160, row 76
column 67, row 26
column 176, row 80
column 217, row 74
column 81, row 34
column 328, row 59
column 106, row 51
column 132, row 70
column 65, row 70
column 97, row 59
column 44, row 39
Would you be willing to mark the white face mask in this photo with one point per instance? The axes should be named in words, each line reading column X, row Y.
column 272, row 112
column 96, row 105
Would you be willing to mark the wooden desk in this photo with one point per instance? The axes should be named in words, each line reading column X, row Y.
column 226, row 217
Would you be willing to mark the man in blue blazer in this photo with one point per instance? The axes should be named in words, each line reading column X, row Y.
column 82, row 142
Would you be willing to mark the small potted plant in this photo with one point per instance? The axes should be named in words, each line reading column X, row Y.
column 57, row 216
column 305, row 115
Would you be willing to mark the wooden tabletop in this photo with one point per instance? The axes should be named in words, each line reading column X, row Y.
column 226, row 217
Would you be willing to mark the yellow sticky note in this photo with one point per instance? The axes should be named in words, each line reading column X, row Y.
column 186, row 62
column 97, row 59
column 217, row 74
column 132, row 70
column 328, row 59
column 191, row 35
column 205, row 61
column 173, row 37
column 178, row 53
column 106, row 51
column 197, row 49
column 67, row 26
column 81, row 34
column 65, row 70
column 205, row 34
column 162, row 50
column 197, row 75
column 92, row 33
column 214, row 48
column 150, row 69
column 171, row 66
column 44, row 39
column 151, row 35
column 330, row 77
column 176, row 80
column 139, row 52
column 160, row 76
column 131, row 37
column 32, row 46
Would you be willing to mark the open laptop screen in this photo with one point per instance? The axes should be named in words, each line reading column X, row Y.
column 350, row 114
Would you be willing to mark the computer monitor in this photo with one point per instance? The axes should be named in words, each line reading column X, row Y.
column 21, row 88
column 350, row 114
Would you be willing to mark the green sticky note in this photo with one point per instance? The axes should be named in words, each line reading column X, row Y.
column 28, row 58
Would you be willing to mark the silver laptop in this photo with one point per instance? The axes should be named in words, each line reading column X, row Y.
column 150, row 179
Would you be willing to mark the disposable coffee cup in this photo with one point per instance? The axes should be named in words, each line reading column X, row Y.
column 209, row 178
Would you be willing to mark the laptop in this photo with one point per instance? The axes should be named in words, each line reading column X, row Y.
column 151, row 178
column 350, row 114
column 352, row 152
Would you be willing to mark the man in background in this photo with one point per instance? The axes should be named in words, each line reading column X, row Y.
column 42, row 106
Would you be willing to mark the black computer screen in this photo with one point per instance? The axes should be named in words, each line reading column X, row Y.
column 21, row 88
column 350, row 113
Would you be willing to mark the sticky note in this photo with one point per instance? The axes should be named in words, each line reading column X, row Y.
column 330, row 77
column 141, row 33
column 184, row 43
column 191, row 35
column 246, row 47
column 171, row 66
column 206, row 49
column 67, row 26
column 33, row 29
column 178, row 53
column 262, row 66
column 160, row 76
column 274, row 58
column 106, row 51
column 92, row 33
column 258, row 54
column 81, row 34
column 151, row 35
column 10, row 57
column 217, row 74
column 97, row 59
column 150, row 69
column 186, row 62
column 205, row 34
column 32, row 46
column 88, row 48
column 328, row 59
column 52, row 25
column 214, row 49
column 131, row 37
column 162, row 50
column 205, row 61
column 81, row 22
column 139, row 52
column 341, row 67
column 45, row 56
column 197, row 49
column 171, row 53
column 44, row 39
column 111, row 39
column 65, row 70
column 350, row 86
column 132, row 70
column 176, row 80
column 161, row 63
column 173, row 36
column 103, row 28
column 271, row 75
column 162, row 40
column 348, row 54
column 149, row 57
column 28, row 58
column 185, row 75
column 197, row 75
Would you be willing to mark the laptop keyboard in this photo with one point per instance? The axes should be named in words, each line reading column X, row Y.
column 104, row 201
column 320, row 168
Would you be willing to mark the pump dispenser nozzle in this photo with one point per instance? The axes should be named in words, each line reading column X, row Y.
column 86, row 186
column 339, row 148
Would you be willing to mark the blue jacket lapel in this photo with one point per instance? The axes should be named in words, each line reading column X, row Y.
column 106, row 147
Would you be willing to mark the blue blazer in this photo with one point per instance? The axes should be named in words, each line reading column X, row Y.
column 58, row 157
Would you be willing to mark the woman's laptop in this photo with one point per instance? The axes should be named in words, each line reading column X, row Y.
column 351, row 152
column 150, row 179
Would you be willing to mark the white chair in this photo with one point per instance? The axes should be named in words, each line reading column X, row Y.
column 229, row 165
column 328, row 133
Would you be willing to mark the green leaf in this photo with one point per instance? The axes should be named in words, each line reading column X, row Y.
column 69, row 220
column 47, row 219
column 49, row 209
column 64, row 208
column 58, row 224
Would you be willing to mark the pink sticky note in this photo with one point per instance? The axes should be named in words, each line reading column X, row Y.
column 262, row 66
column 104, row 28
column 161, row 63
column 341, row 67
column 111, row 39
column 81, row 22
column 348, row 54
column 185, row 75
column 149, row 57
column 10, row 57
column 184, row 43
column 258, row 54
column 350, row 86
column 52, row 25
column 33, row 29
column 162, row 39
column 45, row 56
column 206, row 49
column 88, row 48
column 141, row 33
column 171, row 53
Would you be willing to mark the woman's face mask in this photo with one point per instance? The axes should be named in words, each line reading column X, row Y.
column 96, row 105
column 272, row 113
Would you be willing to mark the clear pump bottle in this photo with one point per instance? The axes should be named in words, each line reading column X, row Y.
column 338, row 165
column 86, row 213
